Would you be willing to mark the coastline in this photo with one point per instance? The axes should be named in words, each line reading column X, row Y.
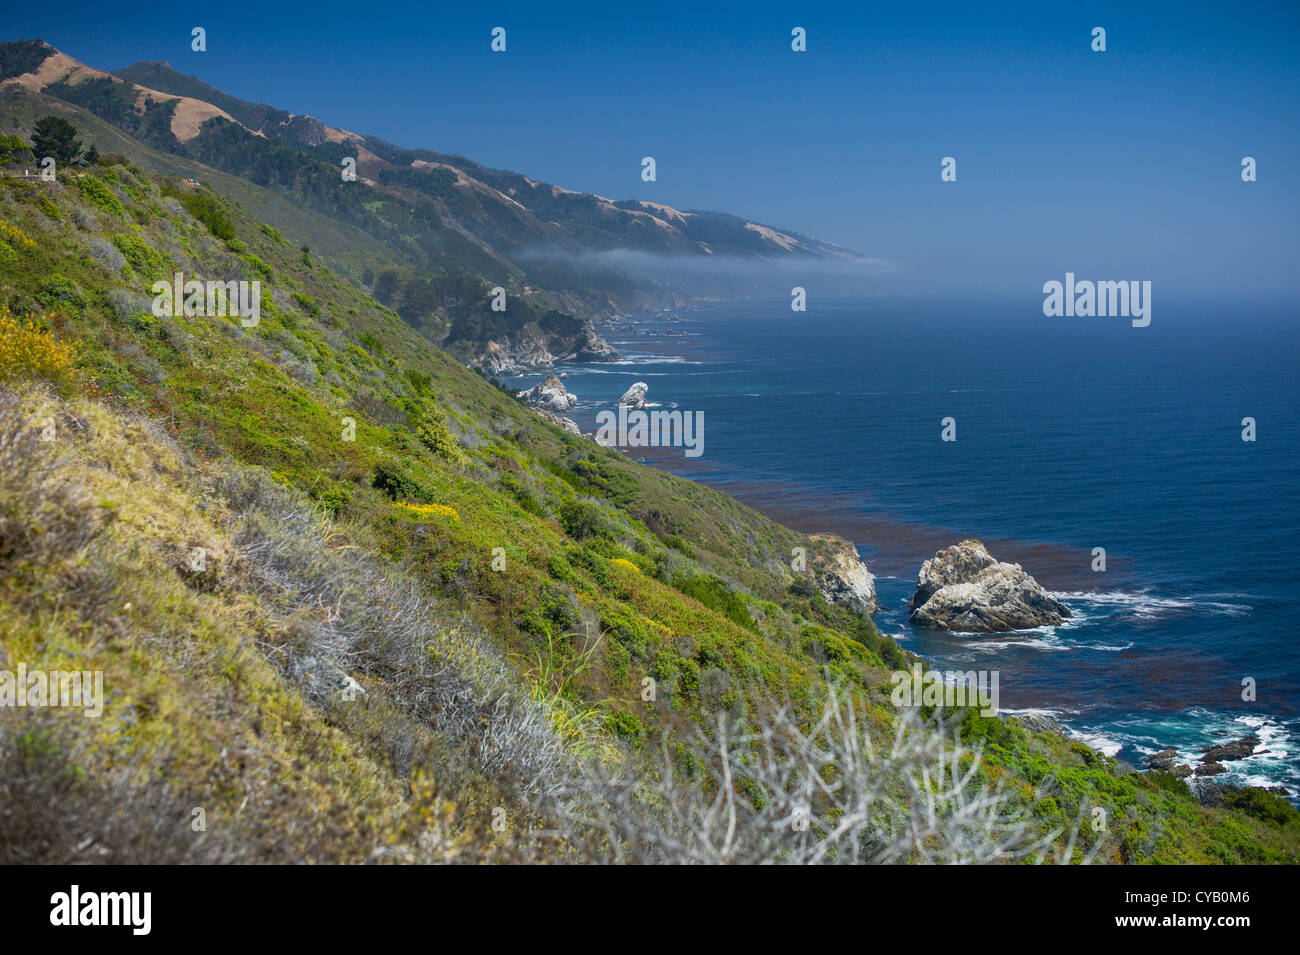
column 1114, row 611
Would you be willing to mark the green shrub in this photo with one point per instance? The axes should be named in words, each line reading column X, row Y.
column 627, row 726
column 434, row 434
column 583, row 519
column 207, row 209
column 59, row 292
column 1262, row 805
column 592, row 563
column 623, row 628
column 559, row 568
column 100, row 195
column 394, row 481
column 147, row 261
column 716, row 595
column 679, row 544
column 516, row 488
column 307, row 304
column 257, row 265
column 1165, row 782
column 49, row 209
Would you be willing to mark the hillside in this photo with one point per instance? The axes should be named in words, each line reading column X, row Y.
column 353, row 602
column 452, row 229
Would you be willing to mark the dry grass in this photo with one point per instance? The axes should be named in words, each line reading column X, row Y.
column 42, row 518
column 794, row 794
column 351, row 613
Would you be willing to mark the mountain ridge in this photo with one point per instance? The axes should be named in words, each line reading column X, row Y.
column 162, row 76
column 456, row 229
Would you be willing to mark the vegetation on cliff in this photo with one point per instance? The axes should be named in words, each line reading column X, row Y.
column 353, row 603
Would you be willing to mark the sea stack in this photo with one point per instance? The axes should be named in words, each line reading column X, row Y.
column 634, row 397
column 963, row 588
column 551, row 395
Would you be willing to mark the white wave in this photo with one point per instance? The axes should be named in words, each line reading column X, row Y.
column 577, row 372
column 1271, row 764
column 1142, row 604
column 1032, row 711
column 653, row 360
column 1046, row 640
column 1098, row 741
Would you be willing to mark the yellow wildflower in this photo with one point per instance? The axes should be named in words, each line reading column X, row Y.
column 28, row 351
column 430, row 510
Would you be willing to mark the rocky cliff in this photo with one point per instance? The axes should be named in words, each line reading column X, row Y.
column 532, row 349
column 843, row 578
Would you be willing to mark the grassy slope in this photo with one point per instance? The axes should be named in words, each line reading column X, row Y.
column 598, row 552
column 348, row 249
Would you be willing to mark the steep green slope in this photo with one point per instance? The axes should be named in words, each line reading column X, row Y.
column 373, row 514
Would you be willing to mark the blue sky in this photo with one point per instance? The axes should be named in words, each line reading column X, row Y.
column 1123, row 164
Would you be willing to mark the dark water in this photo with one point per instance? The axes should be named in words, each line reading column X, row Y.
column 1072, row 434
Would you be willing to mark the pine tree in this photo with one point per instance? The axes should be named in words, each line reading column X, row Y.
column 55, row 136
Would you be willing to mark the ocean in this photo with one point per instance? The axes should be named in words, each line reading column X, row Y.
column 1071, row 434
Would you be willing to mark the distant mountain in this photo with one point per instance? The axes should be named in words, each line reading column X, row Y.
column 259, row 117
column 455, row 229
column 628, row 222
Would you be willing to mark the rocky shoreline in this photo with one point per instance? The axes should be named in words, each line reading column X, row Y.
column 1211, row 761
column 965, row 589
column 532, row 350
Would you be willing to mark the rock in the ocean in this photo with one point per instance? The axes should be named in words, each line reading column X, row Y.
column 1163, row 761
column 550, row 394
column 1166, row 761
column 1210, row 769
column 1237, row 749
column 1041, row 723
column 593, row 348
column 842, row 577
column 634, row 397
column 964, row 588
